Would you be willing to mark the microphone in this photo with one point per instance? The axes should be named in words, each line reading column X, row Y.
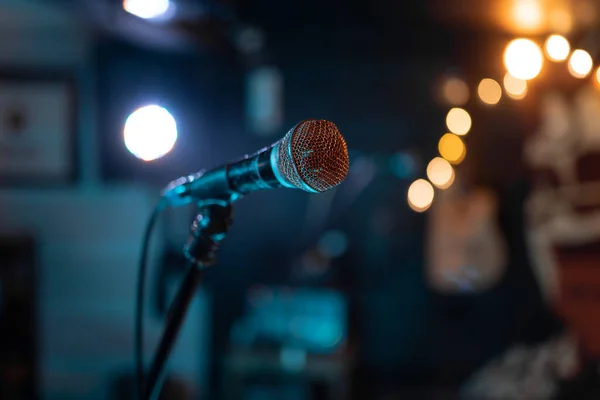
column 312, row 157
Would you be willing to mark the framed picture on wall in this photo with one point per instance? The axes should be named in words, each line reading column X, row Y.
column 37, row 128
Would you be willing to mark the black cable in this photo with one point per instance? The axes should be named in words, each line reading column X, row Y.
column 139, row 305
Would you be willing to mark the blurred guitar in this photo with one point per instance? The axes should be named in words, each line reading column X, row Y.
column 466, row 251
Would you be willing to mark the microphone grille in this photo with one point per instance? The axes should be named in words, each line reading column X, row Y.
column 314, row 154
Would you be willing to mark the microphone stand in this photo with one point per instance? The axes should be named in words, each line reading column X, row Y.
column 208, row 229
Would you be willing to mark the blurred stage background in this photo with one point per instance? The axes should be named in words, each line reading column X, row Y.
column 467, row 225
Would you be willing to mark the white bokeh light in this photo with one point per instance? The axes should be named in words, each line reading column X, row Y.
column 440, row 173
column 150, row 132
column 146, row 9
column 523, row 59
column 420, row 195
column 580, row 64
column 557, row 48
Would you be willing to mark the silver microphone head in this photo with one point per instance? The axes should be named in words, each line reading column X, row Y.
column 312, row 156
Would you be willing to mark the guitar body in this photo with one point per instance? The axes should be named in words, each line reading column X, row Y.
column 466, row 251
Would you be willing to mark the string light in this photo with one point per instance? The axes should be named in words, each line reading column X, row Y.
column 580, row 64
column 489, row 91
column 420, row 195
column 440, row 173
column 455, row 91
column 557, row 48
column 515, row 88
column 452, row 148
column 523, row 59
column 458, row 121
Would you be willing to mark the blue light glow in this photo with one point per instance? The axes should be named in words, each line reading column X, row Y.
column 333, row 244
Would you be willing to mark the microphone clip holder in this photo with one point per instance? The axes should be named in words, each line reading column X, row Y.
column 207, row 231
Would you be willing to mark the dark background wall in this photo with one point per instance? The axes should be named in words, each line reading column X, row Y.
column 382, row 104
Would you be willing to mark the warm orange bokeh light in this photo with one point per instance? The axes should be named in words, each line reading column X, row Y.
column 515, row 88
column 452, row 148
column 489, row 91
column 527, row 15
column 455, row 91
column 560, row 20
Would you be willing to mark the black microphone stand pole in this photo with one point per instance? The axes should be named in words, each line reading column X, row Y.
column 207, row 231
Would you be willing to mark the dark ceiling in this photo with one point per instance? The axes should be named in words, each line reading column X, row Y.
column 333, row 25
column 335, row 14
column 377, row 26
column 466, row 34
column 418, row 28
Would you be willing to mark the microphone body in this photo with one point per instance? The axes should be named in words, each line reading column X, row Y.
column 312, row 157
column 229, row 182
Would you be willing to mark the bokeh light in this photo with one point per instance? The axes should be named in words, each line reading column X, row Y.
column 455, row 91
column 458, row 121
column 440, row 173
column 146, row 9
column 420, row 195
column 489, row 91
column 150, row 132
column 515, row 88
column 557, row 48
column 523, row 59
column 598, row 75
column 333, row 244
column 560, row 20
column 452, row 148
column 527, row 14
column 580, row 64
